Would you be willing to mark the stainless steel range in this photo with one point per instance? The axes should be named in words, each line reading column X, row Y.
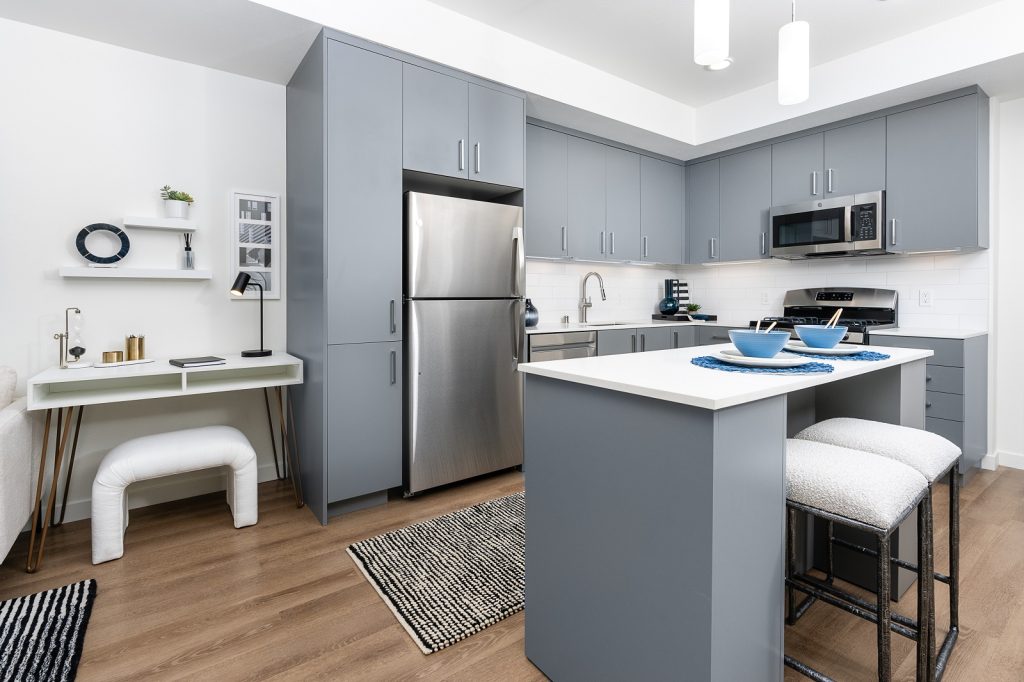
column 864, row 310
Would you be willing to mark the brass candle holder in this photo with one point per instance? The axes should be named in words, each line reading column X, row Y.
column 135, row 347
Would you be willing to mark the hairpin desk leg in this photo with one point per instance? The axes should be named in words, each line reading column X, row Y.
column 287, row 449
column 30, row 564
column 71, row 467
column 294, row 449
column 273, row 436
column 60, row 443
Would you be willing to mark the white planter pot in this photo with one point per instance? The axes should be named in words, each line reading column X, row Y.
column 175, row 209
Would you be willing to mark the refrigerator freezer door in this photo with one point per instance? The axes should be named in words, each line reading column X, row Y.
column 465, row 397
column 458, row 248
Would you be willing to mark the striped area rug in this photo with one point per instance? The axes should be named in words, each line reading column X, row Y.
column 450, row 577
column 41, row 635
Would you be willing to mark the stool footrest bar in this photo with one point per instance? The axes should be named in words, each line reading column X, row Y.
column 806, row 670
column 902, row 563
column 842, row 601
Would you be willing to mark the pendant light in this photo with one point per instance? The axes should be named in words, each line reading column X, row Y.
column 711, row 33
column 794, row 61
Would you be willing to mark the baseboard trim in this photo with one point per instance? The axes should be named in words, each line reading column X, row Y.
column 1013, row 460
column 989, row 462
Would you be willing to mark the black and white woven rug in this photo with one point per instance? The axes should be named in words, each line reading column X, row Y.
column 41, row 634
column 450, row 577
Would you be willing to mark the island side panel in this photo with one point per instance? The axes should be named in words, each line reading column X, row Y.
column 748, row 560
column 619, row 534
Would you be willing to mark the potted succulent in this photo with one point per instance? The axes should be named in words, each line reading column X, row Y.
column 691, row 308
column 176, row 202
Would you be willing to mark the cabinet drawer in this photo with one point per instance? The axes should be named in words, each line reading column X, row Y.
column 707, row 336
column 945, row 379
column 946, row 428
column 944, row 405
column 948, row 352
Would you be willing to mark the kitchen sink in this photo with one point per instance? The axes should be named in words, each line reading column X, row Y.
column 614, row 324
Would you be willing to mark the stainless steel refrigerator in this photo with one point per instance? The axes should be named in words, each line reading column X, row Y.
column 464, row 312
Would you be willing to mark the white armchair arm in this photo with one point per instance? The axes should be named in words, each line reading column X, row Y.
column 17, row 472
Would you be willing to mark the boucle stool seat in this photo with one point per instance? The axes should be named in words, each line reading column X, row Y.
column 165, row 454
column 870, row 493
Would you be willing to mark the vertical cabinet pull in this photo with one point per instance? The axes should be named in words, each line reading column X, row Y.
column 645, row 246
column 675, row 339
column 462, row 155
column 602, row 242
column 643, row 342
column 764, row 243
column 565, row 240
column 612, row 236
column 394, row 324
column 632, row 343
column 828, row 181
column 476, row 156
column 814, row 183
column 394, row 367
column 712, row 245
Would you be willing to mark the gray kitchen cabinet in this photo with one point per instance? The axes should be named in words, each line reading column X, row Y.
column 661, row 211
column 710, row 335
column 797, row 170
column 459, row 129
column 366, row 215
column 616, row 341
column 622, row 204
column 586, row 199
column 435, row 121
column 545, row 219
column 702, row 212
column 654, row 338
column 855, row 158
column 495, row 141
column 364, row 425
column 746, row 195
column 684, row 337
column 937, row 176
column 956, row 396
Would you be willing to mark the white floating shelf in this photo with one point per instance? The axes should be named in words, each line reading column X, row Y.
column 151, row 223
column 135, row 273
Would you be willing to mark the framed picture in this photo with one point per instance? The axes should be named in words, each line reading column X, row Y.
column 255, row 245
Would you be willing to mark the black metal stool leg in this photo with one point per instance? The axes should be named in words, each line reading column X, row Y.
column 882, row 610
column 830, row 553
column 925, row 593
column 942, row 657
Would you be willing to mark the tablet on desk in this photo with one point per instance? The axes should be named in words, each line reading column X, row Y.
column 197, row 362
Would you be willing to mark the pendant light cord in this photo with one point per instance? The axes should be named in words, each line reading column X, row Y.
column 793, row 16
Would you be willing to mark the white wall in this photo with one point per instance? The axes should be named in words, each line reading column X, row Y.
column 88, row 133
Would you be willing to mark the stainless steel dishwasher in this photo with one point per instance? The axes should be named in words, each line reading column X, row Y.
column 562, row 346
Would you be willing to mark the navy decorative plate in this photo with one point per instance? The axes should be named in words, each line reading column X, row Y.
column 102, row 227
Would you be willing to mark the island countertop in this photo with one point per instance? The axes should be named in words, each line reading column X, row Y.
column 669, row 375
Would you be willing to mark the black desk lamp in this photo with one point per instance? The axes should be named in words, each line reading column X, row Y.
column 238, row 288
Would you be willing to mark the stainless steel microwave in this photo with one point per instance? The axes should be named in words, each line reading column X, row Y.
column 853, row 225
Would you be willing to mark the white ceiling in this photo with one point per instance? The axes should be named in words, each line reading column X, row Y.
column 231, row 35
column 650, row 42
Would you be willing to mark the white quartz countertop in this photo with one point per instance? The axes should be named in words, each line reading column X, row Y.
column 931, row 333
column 669, row 375
column 556, row 327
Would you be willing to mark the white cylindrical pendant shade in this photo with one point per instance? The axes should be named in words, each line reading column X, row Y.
column 710, row 31
column 794, row 62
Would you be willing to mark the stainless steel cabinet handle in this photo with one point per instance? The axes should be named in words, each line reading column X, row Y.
column 462, row 155
column 828, row 180
column 565, row 239
column 713, row 244
column 892, row 231
column 645, row 246
column 394, row 324
column 719, row 338
column 394, row 367
column 675, row 339
column 764, row 243
column 643, row 342
column 632, row 343
column 602, row 242
column 814, row 183
column 612, row 235
column 476, row 156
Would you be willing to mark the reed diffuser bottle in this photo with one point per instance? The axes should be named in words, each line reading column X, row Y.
column 189, row 260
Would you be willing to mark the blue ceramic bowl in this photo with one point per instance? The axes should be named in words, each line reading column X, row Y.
column 758, row 344
column 820, row 336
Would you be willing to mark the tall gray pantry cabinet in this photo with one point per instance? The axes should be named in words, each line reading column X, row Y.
column 344, row 109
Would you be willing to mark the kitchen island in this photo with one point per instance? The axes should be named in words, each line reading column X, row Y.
column 655, row 507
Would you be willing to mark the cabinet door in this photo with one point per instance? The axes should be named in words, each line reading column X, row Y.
column 855, row 158
column 932, row 169
column 661, row 211
column 622, row 204
column 654, row 338
column 364, row 419
column 544, row 198
column 702, row 207
column 586, row 199
column 684, row 337
column 616, row 341
column 797, row 170
column 707, row 336
column 434, row 122
column 746, row 197
column 495, row 144
column 364, row 190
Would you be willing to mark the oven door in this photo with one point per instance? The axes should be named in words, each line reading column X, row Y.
column 812, row 228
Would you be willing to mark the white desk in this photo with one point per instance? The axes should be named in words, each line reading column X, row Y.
column 67, row 389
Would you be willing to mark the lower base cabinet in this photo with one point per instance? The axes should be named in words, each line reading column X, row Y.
column 641, row 339
column 654, row 338
column 708, row 336
column 616, row 341
column 364, row 419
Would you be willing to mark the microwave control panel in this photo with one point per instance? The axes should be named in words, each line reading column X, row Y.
column 865, row 222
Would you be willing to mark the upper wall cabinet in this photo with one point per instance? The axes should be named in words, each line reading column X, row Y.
column 622, row 203
column 545, row 221
column 661, row 211
column 744, row 198
column 702, row 212
column 797, row 170
column 586, row 199
column 937, row 176
column 459, row 129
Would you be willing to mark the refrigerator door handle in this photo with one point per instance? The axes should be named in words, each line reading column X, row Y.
column 517, row 324
column 518, row 261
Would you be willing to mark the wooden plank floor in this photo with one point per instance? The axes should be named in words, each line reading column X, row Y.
column 194, row 598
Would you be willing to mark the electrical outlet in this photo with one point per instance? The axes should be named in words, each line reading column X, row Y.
column 924, row 298
column 764, row 298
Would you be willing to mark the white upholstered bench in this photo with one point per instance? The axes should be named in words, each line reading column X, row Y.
column 164, row 454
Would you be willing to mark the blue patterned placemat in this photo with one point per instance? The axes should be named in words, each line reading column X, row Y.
column 863, row 355
column 709, row 362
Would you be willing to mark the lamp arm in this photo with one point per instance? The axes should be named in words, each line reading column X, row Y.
column 260, row 286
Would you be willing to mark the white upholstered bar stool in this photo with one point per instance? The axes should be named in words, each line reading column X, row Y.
column 933, row 457
column 870, row 493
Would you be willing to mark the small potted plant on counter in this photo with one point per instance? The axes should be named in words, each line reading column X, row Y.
column 176, row 202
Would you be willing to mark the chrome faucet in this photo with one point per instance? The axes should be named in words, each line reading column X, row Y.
column 584, row 299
